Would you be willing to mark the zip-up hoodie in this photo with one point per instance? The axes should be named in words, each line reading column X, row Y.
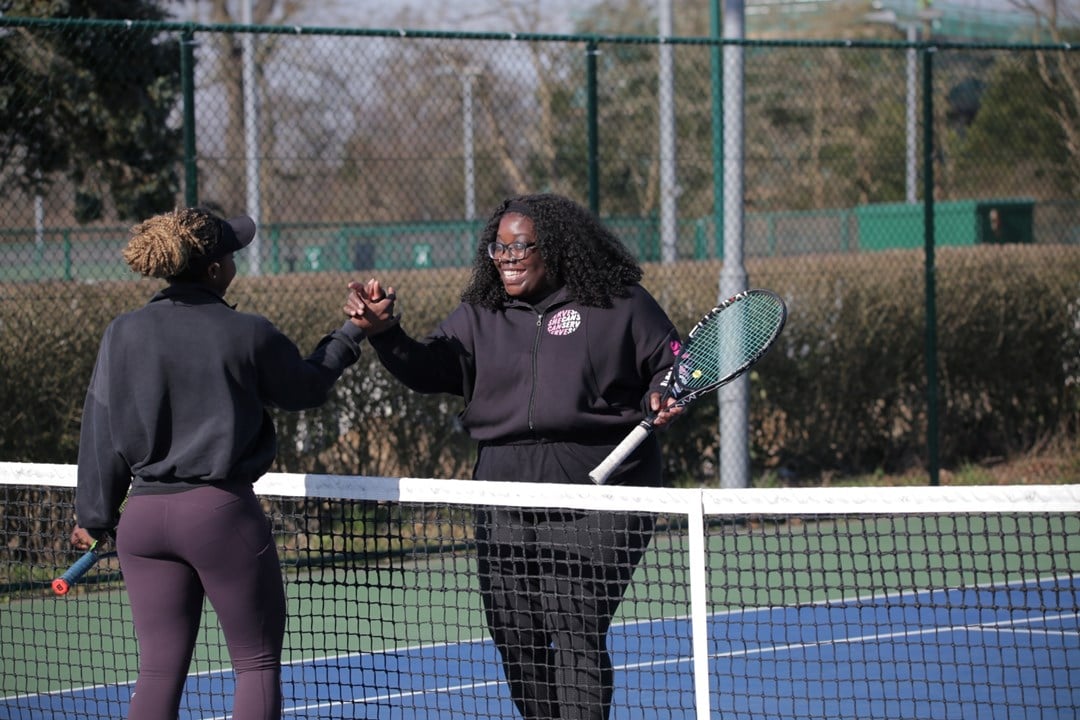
column 566, row 371
column 179, row 398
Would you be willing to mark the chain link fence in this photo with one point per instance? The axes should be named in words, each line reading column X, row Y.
column 381, row 153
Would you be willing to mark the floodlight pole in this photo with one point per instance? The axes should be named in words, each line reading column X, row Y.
column 734, row 398
column 910, row 179
column 468, row 77
column 911, row 31
column 666, row 101
column 251, row 141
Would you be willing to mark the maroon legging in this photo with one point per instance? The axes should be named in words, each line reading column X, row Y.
column 175, row 549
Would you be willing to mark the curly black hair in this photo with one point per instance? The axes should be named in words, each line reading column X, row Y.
column 579, row 252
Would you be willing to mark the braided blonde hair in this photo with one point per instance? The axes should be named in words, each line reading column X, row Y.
column 165, row 245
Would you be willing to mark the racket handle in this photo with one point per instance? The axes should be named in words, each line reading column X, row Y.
column 62, row 584
column 615, row 458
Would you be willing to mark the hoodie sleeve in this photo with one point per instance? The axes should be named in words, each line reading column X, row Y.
column 292, row 382
column 103, row 474
column 437, row 364
column 656, row 340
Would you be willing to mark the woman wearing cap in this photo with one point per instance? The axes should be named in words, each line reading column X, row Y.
column 558, row 352
column 176, row 419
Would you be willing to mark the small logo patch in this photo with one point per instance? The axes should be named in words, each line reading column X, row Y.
column 564, row 322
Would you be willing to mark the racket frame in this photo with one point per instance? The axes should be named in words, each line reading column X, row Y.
column 682, row 395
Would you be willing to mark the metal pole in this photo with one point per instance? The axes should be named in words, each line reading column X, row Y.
column 591, row 51
column 666, row 111
column 911, row 30
column 39, row 221
column 717, row 75
column 467, row 129
column 187, row 83
column 699, row 616
column 251, row 142
column 734, row 398
column 911, row 179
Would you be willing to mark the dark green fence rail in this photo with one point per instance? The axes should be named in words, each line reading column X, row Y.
column 78, row 253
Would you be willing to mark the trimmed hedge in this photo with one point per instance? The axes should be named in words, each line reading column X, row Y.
column 844, row 391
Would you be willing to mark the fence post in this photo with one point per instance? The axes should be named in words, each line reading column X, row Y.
column 593, row 127
column 187, row 82
column 932, row 459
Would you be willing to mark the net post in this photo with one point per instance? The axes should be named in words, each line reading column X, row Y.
column 699, row 604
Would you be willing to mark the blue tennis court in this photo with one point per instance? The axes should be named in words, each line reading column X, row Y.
column 987, row 653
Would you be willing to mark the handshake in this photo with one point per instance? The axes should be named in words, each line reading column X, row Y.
column 370, row 307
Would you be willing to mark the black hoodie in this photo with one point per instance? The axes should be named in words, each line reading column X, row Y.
column 179, row 394
column 563, row 372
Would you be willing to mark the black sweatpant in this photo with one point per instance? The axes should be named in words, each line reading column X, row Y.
column 175, row 549
column 551, row 583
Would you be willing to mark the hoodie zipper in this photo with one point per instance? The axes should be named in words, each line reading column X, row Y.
column 535, row 374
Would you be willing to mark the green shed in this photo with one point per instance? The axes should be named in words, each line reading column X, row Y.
column 959, row 222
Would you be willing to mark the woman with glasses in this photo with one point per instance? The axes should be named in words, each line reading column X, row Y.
column 558, row 352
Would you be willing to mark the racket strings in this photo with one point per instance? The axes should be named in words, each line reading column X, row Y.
column 728, row 340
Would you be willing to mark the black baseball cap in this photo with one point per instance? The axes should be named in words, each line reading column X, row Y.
column 236, row 234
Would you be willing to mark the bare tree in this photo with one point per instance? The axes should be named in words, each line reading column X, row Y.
column 225, row 184
column 1055, row 70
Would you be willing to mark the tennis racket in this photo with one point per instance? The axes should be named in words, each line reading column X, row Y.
column 97, row 551
column 722, row 346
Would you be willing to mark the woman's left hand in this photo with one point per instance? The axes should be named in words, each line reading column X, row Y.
column 81, row 539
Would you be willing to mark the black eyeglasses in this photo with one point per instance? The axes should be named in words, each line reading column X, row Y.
column 515, row 250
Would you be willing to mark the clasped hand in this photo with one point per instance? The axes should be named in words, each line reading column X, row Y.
column 370, row 307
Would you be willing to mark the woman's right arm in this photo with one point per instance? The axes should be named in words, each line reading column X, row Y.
column 437, row 364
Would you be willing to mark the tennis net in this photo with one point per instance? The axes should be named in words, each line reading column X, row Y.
column 831, row 603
